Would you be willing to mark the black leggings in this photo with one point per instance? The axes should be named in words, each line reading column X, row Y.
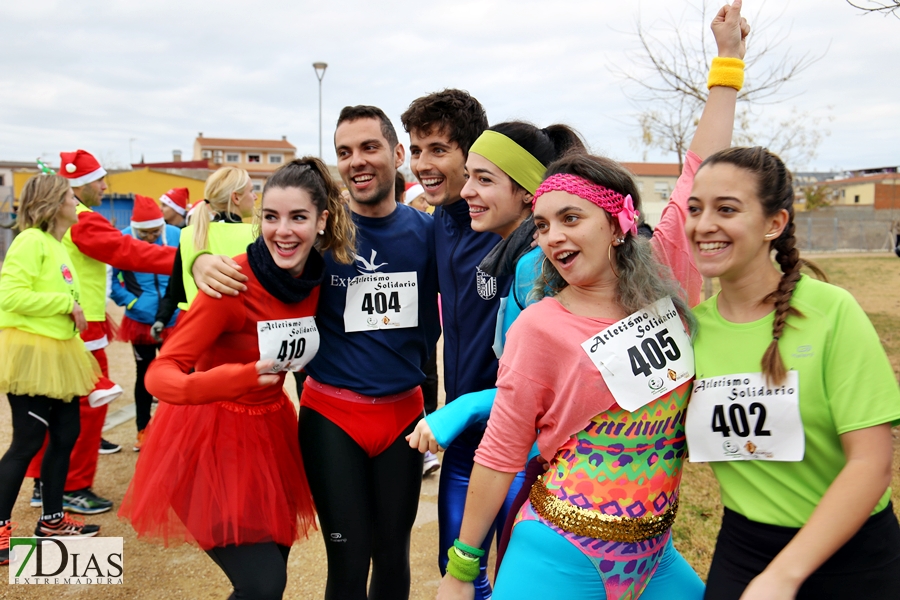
column 867, row 566
column 256, row 571
column 33, row 417
column 367, row 507
column 143, row 400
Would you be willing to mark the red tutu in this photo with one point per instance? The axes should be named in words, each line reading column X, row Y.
column 221, row 474
column 138, row 334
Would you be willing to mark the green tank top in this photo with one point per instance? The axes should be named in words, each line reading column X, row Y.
column 229, row 239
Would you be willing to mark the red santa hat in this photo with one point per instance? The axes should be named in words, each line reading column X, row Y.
column 146, row 213
column 80, row 168
column 104, row 392
column 177, row 199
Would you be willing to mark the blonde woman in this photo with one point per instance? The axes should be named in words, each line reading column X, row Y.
column 44, row 365
column 216, row 225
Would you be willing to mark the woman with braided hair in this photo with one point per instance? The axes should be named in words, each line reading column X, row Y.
column 793, row 402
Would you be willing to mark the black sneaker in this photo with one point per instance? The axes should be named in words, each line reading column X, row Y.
column 65, row 527
column 36, row 494
column 85, row 502
column 107, row 447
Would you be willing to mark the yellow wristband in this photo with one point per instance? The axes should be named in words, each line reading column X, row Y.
column 726, row 72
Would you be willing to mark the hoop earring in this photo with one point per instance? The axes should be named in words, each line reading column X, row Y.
column 609, row 258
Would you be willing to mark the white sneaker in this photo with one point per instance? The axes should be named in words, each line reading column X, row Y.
column 430, row 465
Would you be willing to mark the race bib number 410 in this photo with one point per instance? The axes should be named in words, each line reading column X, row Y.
column 291, row 343
column 382, row 301
column 644, row 356
column 740, row 417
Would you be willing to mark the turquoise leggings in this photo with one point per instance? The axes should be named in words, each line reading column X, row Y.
column 541, row 564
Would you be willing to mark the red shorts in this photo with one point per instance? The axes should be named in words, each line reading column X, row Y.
column 373, row 423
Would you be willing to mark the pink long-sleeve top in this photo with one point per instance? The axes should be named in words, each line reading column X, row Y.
column 546, row 381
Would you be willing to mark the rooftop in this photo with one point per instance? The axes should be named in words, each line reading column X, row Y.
column 226, row 143
column 643, row 169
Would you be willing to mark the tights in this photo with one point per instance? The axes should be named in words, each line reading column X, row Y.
column 143, row 400
column 367, row 507
column 32, row 418
column 456, row 468
column 257, row 571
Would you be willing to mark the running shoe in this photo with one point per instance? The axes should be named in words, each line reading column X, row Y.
column 68, row 526
column 139, row 441
column 431, row 464
column 36, row 494
column 5, row 534
column 85, row 502
column 107, row 447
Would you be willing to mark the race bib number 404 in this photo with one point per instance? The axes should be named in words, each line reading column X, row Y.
column 644, row 356
column 382, row 301
column 740, row 417
column 291, row 343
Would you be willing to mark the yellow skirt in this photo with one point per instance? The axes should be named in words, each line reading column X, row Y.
column 37, row 365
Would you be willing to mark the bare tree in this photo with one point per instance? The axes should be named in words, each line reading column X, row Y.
column 886, row 8
column 669, row 72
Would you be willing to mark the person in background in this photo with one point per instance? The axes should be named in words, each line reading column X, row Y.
column 93, row 243
column 175, row 205
column 415, row 197
column 45, row 367
column 216, row 225
column 140, row 294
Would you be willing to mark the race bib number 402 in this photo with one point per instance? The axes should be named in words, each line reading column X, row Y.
column 741, row 417
column 291, row 343
column 382, row 301
column 644, row 356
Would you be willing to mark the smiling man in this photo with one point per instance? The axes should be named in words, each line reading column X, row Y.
column 442, row 126
column 378, row 322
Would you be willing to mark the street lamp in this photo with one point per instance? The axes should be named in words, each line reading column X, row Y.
column 320, row 73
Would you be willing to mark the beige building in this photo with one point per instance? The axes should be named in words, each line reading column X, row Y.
column 881, row 191
column 259, row 157
column 655, row 182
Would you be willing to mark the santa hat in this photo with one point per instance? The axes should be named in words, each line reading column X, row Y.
column 146, row 213
column 104, row 392
column 177, row 199
column 413, row 192
column 80, row 168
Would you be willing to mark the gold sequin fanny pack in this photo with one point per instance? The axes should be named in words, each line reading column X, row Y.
column 592, row 523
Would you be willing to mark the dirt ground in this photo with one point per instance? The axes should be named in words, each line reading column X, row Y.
column 154, row 572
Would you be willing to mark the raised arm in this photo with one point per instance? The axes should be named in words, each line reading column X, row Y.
column 94, row 236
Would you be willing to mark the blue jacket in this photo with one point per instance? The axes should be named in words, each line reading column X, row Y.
column 141, row 292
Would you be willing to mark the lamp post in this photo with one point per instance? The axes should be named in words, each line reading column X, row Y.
column 320, row 74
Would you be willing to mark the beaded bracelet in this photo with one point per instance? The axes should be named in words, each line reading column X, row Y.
column 726, row 72
column 462, row 567
column 467, row 549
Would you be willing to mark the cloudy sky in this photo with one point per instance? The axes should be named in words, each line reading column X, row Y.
column 126, row 79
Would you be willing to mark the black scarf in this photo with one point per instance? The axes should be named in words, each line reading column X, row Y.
column 278, row 282
column 502, row 258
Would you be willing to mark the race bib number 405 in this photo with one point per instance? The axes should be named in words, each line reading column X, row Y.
column 740, row 417
column 291, row 343
column 644, row 356
column 382, row 301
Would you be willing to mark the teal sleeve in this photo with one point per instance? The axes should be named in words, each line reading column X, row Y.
column 451, row 420
column 21, row 269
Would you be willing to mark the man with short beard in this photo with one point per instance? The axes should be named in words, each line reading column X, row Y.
column 442, row 126
column 378, row 322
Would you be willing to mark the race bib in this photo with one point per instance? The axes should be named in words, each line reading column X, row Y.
column 644, row 356
column 382, row 301
column 291, row 343
column 740, row 417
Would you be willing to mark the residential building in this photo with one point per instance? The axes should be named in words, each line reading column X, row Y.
column 259, row 157
column 880, row 190
column 655, row 183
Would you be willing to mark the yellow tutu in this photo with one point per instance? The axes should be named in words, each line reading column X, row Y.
column 37, row 365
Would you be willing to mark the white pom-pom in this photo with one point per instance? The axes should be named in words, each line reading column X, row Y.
column 70, row 168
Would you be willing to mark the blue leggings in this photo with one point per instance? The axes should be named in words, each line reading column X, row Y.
column 456, row 468
column 539, row 563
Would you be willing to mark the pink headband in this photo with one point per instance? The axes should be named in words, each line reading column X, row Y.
column 621, row 207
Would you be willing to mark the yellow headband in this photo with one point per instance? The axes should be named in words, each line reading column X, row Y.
column 511, row 158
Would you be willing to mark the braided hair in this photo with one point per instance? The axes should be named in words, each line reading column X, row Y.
column 776, row 193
